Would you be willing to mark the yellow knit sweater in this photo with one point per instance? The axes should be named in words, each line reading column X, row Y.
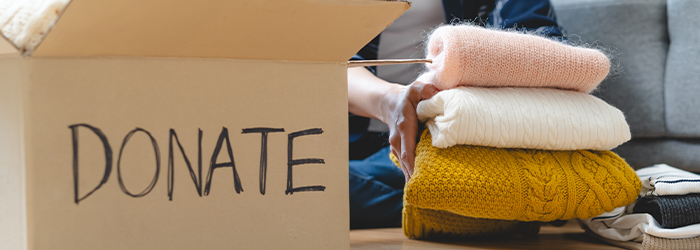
column 519, row 184
column 420, row 223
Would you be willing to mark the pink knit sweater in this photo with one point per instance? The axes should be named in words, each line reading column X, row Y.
column 470, row 55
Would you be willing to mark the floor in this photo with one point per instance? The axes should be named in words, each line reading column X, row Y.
column 569, row 237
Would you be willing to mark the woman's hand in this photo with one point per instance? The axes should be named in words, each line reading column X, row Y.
column 395, row 105
column 399, row 112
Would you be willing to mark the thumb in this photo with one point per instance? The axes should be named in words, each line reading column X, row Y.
column 428, row 91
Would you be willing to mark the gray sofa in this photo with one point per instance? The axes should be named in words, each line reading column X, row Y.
column 657, row 45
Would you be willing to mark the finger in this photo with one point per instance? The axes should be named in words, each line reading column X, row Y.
column 395, row 142
column 407, row 130
column 403, row 169
column 428, row 91
column 421, row 91
column 408, row 148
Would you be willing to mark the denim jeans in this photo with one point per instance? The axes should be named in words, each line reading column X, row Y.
column 376, row 191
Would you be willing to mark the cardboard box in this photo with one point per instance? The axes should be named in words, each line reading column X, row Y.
column 122, row 130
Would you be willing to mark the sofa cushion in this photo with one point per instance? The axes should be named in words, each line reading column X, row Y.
column 683, row 69
column 680, row 153
column 637, row 31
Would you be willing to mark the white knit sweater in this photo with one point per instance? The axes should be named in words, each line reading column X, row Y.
column 536, row 118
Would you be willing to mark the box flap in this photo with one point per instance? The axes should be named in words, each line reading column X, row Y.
column 300, row 30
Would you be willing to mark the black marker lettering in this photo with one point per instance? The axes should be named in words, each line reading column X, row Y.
column 196, row 178
column 263, row 152
column 108, row 159
column 213, row 165
column 291, row 162
column 119, row 173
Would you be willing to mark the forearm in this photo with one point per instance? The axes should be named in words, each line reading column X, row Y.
column 367, row 93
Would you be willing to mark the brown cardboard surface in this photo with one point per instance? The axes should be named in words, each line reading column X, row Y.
column 6, row 48
column 12, row 189
column 115, row 79
column 118, row 95
column 304, row 30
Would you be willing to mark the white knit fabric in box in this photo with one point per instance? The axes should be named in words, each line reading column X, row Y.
column 25, row 22
column 535, row 118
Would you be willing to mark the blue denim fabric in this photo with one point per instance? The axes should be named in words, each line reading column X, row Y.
column 376, row 192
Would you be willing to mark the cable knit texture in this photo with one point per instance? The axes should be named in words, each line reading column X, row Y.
column 422, row 223
column 536, row 118
column 657, row 243
column 519, row 184
column 25, row 22
column 474, row 56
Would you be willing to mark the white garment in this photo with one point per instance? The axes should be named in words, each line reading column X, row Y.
column 25, row 22
column 623, row 225
column 536, row 118
column 662, row 179
column 630, row 227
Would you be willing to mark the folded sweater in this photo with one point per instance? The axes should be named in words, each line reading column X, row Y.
column 25, row 22
column 629, row 226
column 650, row 242
column 470, row 55
column 671, row 211
column 536, row 118
column 662, row 179
column 657, row 243
column 420, row 223
column 519, row 184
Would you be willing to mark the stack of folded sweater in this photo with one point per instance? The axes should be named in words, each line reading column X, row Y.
column 666, row 215
column 514, row 137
